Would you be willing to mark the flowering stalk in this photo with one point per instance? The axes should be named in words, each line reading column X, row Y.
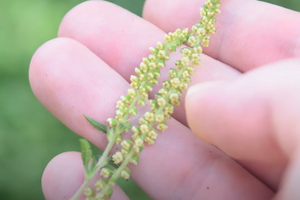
column 161, row 107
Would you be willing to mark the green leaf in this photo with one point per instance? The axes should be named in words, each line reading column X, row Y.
column 93, row 163
column 97, row 125
column 86, row 153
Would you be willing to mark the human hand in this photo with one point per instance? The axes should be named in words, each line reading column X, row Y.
column 76, row 76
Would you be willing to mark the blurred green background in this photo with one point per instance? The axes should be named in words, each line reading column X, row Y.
column 29, row 135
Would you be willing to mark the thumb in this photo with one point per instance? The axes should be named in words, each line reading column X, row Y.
column 253, row 119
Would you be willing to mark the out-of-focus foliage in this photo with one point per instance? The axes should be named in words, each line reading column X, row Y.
column 29, row 135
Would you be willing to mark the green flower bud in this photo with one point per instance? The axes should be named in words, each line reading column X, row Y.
column 149, row 141
column 125, row 152
column 146, row 61
column 175, row 82
column 142, row 120
column 112, row 122
column 125, row 174
column 143, row 77
column 150, row 76
column 135, row 129
column 163, row 92
column 153, row 81
column 144, row 95
column 117, row 157
column 119, row 139
column 144, row 68
column 167, row 84
column 183, row 86
column 106, row 172
column 133, row 111
column 167, row 39
column 160, row 46
column 120, row 112
column 100, row 184
column 162, row 126
column 149, row 116
column 144, row 128
column 109, row 193
column 141, row 102
column 185, row 51
column 134, row 79
column 187, row 80
column 99, row 196
column 138, row 71
column 131, row 92
column 88, row 192
column 192, row 41
column 152, row 134
column 152, row 66
column 172, row 48
column 161, row 102
column 126, row 144
column 153, row 50
column 139, row 142
column 153, row 104
column 134, row 160
column 161, row 64
column 126, row 98
column 167, row 116
column 148, row 87
column 169, row 109
column 138, row 149
column 159, row 118
column 156, row 73
column 152, row 58
column 172, row 73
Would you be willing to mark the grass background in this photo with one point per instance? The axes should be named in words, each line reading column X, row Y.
column 29, row 135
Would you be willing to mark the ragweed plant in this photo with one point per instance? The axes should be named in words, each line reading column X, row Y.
column 153, row 121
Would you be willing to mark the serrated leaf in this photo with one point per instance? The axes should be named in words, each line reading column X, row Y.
column 86, row 153
column 97, row 125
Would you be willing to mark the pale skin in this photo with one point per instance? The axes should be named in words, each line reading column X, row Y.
column 245, row 99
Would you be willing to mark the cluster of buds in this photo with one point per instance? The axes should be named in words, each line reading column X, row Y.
column 206, row 26
column 154, row 120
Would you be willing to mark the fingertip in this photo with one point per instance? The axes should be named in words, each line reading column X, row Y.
column 197, row 97
column 63, row 176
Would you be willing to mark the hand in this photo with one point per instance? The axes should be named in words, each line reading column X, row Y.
column 252, row 117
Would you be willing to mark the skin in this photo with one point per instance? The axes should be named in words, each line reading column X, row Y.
column 243, row 108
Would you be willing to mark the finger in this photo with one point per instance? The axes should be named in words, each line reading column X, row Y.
column 244, row 117
column 247, row 35
column 88, row 86
column 289, row 189
column 121, row 39
column 64, row 174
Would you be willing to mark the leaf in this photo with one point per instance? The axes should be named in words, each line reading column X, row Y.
column 97, row 125
column 86, row 153
column 93, row 163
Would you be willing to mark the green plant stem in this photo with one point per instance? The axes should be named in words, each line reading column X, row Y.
column 116, row 175
column 101, row 163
